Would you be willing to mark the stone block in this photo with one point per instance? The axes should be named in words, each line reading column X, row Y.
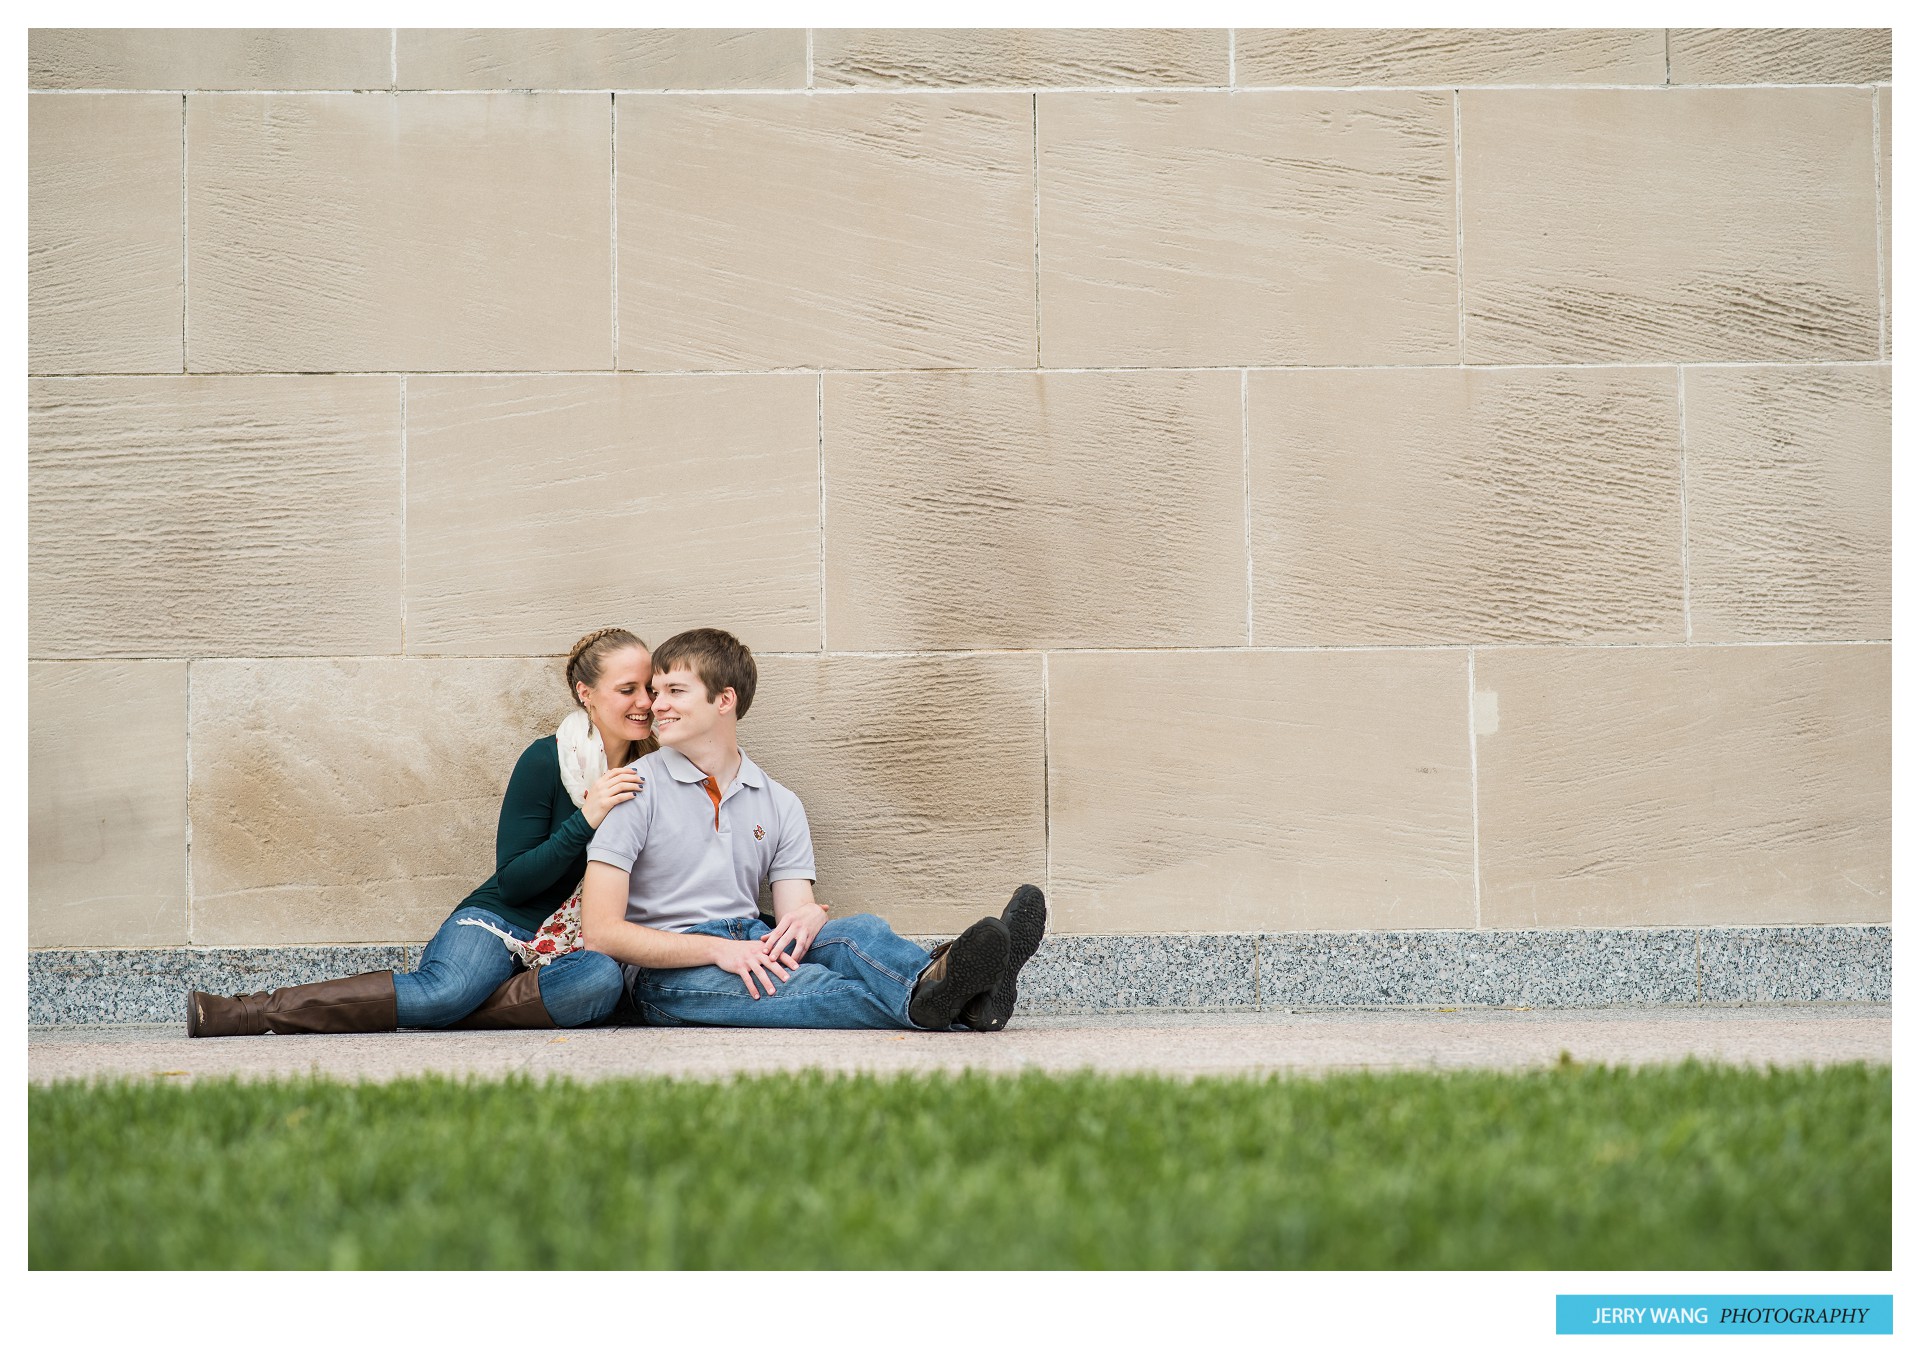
column 1448, row 56
column 863, row 230
column 210, row 58
column 1464, row 506
column 1568, row 968
column 543, row 506
column 432, row 232
column 103, row 233
column 1790, row 502
column 352, row 801
column 189, row 515
column 1780, row 55
column 1811, row 963
column 107, row 803
column 601, row 58
column 1215, row 229
column 1141, row 971
column 1263, row 791
column 891, row 58
column 1695, row 786
column 923, row 778
column 1024, row 510
column 1663, row 225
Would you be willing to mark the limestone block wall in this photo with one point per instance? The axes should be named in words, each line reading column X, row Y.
column 1248, row 481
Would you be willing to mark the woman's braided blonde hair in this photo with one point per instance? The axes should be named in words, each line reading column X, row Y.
column 584, row 662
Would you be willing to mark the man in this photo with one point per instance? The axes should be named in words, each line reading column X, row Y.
column 674, row 875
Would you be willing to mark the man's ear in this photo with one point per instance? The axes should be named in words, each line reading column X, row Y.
column 727, row 700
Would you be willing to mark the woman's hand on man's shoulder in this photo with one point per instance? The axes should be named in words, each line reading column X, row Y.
column 609, row 791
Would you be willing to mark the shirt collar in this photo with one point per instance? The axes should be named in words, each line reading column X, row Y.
column 685, row 771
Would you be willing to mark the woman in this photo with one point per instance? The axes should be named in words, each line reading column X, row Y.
column 561, row 790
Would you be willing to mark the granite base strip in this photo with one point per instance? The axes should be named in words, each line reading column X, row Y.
column 1531, row 968
column 1075, row 972
column 149, row 985
column 1850, row 963
column 1133, row 971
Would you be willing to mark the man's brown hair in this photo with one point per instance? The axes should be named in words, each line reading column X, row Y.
column 719, row 659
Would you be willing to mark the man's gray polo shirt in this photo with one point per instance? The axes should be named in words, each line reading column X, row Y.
column 689, row 858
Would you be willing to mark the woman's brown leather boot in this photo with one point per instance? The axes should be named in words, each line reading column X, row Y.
column 515, row 1003
column 362, row 1003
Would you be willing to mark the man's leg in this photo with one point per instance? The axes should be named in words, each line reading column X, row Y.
column 865, row 948
column 814, row 995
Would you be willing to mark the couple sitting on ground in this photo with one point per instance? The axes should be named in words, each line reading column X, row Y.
column 633, row 845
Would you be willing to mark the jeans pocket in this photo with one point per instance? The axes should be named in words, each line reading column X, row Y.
column 651, row 1015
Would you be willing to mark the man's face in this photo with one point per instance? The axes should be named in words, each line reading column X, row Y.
column 682, row 710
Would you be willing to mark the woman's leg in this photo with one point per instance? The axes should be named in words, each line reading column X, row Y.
column 581, row 988
column 461, row 966
column 362, row 1003
column 578, row 989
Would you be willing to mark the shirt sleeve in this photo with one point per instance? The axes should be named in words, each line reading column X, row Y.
column 530, row 854
column 793, row 856
column 623, row 834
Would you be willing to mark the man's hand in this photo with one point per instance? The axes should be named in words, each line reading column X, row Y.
column 798, row 926
column 748, row 959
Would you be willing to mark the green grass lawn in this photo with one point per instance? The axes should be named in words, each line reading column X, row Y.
column 1680, row 1167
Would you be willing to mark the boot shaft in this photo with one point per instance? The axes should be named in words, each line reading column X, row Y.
column 515, row 1003
column 362, row 1003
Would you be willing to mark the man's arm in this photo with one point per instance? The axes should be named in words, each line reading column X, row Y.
column 797, row 917
column 605, row 927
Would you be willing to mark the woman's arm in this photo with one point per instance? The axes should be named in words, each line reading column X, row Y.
column 529, row 853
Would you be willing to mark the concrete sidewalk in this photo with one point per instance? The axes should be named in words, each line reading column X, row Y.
column 1157, row 1042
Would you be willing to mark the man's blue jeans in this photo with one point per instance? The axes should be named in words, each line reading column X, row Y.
column 858, row 973
column 464, row 963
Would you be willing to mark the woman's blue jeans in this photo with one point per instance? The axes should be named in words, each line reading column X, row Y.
column 464, row 964
column 858, row 973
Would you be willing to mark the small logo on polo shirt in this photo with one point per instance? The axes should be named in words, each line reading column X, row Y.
column 759, row 832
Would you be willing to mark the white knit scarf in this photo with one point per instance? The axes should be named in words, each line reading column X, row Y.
column 583, row 759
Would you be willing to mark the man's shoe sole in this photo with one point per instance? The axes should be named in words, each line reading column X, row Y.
column 1026, row 921
column 974, row 963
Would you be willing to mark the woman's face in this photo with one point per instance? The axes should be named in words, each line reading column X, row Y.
column 618, row 702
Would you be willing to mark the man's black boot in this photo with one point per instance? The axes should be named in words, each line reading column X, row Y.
column 968, row 966
column 1026, row 921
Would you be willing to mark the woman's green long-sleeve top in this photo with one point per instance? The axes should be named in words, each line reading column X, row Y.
column 540, row 850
